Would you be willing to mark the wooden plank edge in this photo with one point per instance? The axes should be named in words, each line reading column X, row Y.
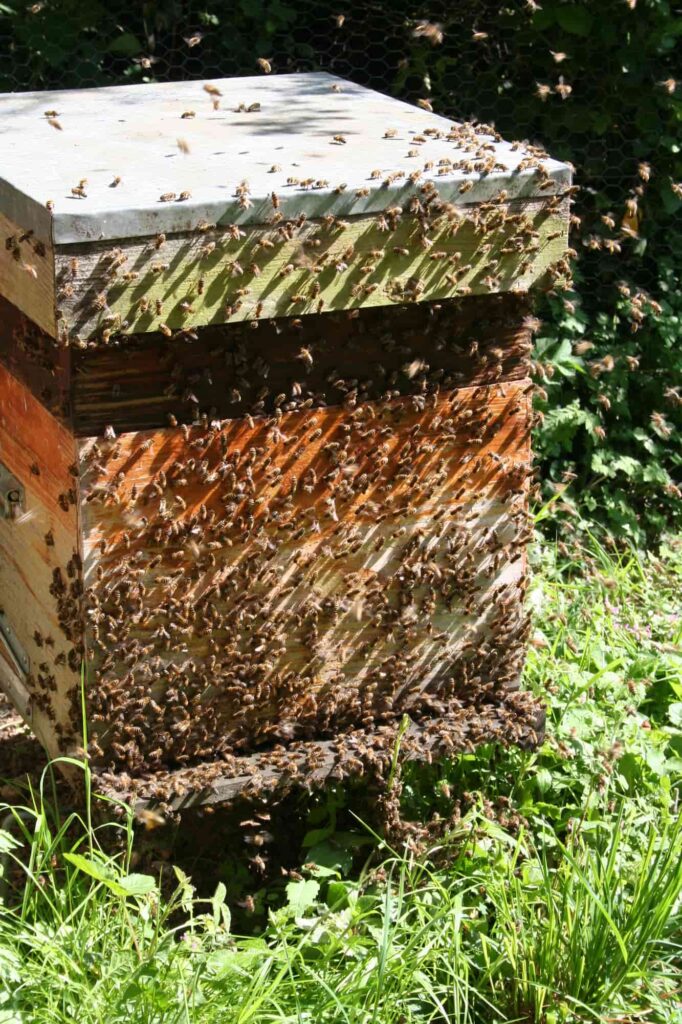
column 27, row 272
column 15, row 689
column 311, row 764
column 196, row 274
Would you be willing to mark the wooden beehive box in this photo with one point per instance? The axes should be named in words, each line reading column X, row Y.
column 264, row 426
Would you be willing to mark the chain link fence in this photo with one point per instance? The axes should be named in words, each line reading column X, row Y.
column 592, row 81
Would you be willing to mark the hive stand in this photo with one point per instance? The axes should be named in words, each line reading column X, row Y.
column 265, row 427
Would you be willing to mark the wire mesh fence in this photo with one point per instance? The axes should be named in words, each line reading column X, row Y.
column 592, row 81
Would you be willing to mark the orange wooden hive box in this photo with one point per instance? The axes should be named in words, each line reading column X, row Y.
column 265, row 427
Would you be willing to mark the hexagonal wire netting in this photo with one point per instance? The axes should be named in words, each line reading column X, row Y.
column 591, row 80
column 481, row 62
column 472, row 61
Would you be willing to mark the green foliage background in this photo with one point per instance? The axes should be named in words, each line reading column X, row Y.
column 609, row 355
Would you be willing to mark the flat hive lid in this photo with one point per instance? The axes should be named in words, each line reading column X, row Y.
column 132, row 133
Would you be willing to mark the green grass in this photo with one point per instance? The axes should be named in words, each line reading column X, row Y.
column 554, row 892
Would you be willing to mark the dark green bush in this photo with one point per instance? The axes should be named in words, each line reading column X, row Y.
column 593, row 81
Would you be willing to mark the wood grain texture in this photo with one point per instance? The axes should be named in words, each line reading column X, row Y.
column 233, row 370
column 27, row 273
column 13, row 684
column 230, row 370
column 34, row 358
column 296, row 576
column 39, row 576
column 279, row 270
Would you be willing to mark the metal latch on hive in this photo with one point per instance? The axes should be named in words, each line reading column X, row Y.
column 12, row 495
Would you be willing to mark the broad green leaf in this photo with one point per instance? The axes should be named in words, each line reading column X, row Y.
column 302, row 895
column 126, row 885
column 221, row 912
column 100, row 872
column 137, row 885
column 331, row 857
column 675, row 713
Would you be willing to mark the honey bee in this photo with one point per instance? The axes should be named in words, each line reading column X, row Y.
column 212, row 89
column 430, row 30
column 183, row 146
column 167, row 197
column 264, row 65
column 187, row 115
column 116, row 181
column 150, row 819
column 306, row 357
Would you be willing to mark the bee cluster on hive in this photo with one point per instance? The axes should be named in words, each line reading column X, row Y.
column 275, row 440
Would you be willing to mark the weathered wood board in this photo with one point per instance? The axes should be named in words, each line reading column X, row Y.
column 214, row 277
column 159, row 207
column 40, row 579
column 27, row 271
column 517, row 717
column 291, row 578
column 227, row 371
column 33, row 357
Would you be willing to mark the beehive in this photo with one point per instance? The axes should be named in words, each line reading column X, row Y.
column 265, row 426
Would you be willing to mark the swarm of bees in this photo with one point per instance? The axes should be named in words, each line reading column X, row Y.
column 209, row 628
column 475, row 250
column 311, row 532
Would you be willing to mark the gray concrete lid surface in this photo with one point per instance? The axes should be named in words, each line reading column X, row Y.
column 133, row 132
